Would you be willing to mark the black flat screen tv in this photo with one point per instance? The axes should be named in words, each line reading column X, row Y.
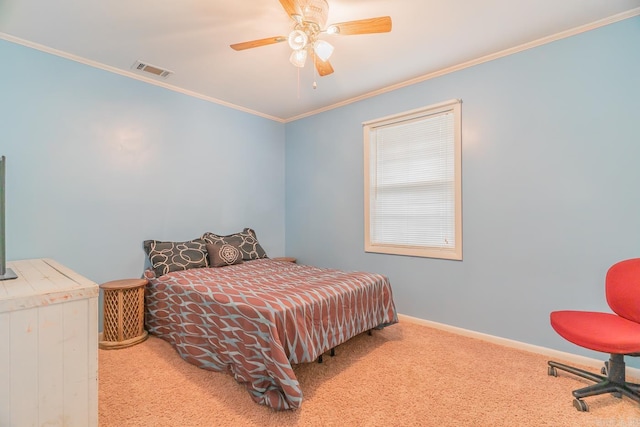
column 5, row 273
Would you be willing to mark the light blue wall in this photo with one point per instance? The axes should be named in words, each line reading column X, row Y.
column 97, row 163
column 551, row 176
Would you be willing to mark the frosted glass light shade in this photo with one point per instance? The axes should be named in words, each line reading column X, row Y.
column 298, row 57
column 323, row 49
column 298, row 39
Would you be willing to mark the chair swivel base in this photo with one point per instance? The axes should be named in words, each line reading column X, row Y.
column 612, row 382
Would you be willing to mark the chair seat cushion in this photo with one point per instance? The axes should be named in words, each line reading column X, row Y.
column 604, row 332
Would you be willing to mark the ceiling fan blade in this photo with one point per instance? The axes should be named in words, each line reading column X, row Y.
column 324, row 67
column 258, row 43
column 381, row 24
column 292, row 9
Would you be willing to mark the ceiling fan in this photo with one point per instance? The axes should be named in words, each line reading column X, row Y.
column 310, row 17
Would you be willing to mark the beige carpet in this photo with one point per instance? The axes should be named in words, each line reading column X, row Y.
column 404, row 375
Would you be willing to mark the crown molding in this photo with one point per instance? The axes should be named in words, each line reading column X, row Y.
column 125, row 73
column 501, row 54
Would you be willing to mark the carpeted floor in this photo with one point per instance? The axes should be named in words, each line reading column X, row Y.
column 404, row 375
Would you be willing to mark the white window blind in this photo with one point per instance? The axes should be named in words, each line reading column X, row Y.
column 412, row 183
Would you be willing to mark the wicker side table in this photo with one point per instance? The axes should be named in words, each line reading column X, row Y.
column 123, row 321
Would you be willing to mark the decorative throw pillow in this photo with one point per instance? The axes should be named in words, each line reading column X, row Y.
column 166, row 257
column 222, row 254
column 246, row 241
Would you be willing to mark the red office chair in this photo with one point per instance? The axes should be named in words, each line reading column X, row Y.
column 617, row 334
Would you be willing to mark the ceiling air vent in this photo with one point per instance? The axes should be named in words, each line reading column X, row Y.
column 148, row 68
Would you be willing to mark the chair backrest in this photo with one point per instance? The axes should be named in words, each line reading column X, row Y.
column 623, row 289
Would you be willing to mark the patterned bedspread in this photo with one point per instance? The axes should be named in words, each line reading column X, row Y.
column 256, row 319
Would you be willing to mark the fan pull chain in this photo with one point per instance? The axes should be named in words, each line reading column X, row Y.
column 315, row 58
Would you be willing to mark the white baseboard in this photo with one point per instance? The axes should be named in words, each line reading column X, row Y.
column 552, row 354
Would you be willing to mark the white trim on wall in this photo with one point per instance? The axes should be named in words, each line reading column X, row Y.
column 132, row 75
column 564, row 34
column 552, row 354
column 559, row 36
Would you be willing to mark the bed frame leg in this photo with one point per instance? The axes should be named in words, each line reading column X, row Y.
column 332, row 353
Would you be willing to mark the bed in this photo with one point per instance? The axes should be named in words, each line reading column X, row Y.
column 256, row 318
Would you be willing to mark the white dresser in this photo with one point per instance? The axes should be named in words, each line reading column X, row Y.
column 48, row 347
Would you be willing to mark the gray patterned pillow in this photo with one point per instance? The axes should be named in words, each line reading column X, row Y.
column 246, row 241
column 166, row 257
column 222, row 254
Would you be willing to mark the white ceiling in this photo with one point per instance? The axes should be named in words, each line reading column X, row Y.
column 192, row 38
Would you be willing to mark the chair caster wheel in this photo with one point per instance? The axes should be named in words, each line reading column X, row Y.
column 605, row 369
column 552, row 371
column 580, row 405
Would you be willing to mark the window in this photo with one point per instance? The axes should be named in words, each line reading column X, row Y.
column 412, row 168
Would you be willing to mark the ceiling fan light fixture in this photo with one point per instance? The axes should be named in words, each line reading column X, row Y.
column 310, row 18
column 315, row 11
column 298, row 39
column 323, row 49
column 298, row 57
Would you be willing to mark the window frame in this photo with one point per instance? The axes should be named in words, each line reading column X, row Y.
column 454, row 253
